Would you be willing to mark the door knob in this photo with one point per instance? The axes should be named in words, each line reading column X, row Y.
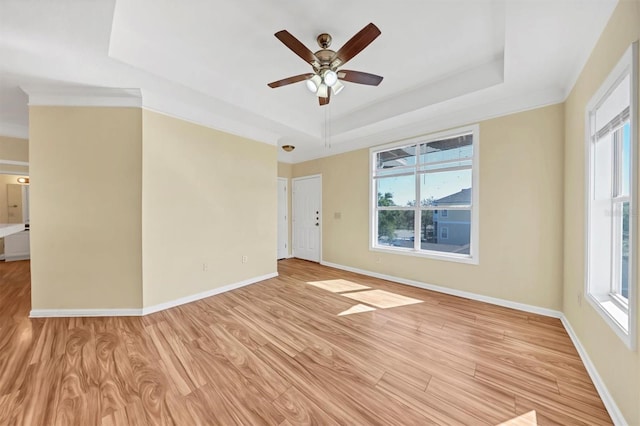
column 317, row 224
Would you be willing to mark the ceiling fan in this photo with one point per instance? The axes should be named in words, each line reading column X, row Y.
column 325, row 78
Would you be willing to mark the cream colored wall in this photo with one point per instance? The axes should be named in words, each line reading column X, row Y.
column 521, row 159
column 208, row 198
column 85, row 207
column 618, row 366
column 15, row 149
column 285, row 170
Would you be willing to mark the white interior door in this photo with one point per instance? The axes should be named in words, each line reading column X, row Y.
column 283, row 220
column 307, row 217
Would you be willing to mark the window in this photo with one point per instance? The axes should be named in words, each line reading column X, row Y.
column 411, row 182
column 611, row 188
column 444, row 233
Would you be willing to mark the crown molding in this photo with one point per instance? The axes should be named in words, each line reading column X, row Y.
column 208, row 120
column 83, row 96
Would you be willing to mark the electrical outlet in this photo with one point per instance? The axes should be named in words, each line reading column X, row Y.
column 245, row 259
column 378, row 259
column 205, row 267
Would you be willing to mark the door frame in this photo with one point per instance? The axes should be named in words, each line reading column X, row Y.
column 288, row 224
column 293, row 214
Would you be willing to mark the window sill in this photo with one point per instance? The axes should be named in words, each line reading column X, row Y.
column 614, row 315
column 448, row 257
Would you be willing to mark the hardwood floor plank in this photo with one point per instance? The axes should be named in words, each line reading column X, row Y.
column 204, row 406
column 338, row 409
column 412, row 340
column 247, row 403
column 502, row 408
column 250, row 366
column 279, row 352
column 434, row 411
column 368, row 401
column 393, row 359
column 513, row 379
column 300, row 410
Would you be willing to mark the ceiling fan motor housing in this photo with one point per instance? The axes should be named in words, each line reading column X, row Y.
column 324, row 57
column 324, row 40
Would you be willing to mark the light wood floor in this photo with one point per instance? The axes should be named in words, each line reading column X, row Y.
column 314, row 346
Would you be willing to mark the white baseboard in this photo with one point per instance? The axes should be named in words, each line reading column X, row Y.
column 16, row 257
column 56, row 313
column 64, row 313
column 607, row 399
column 188, row 299
column 467, row 295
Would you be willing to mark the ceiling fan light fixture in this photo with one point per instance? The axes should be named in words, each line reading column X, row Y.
column 323, row 91
column 313, row 83
column 330, row 77
column 337, row 88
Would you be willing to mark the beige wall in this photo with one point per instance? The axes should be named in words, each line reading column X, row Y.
column 285, row 170
column 14, row 149
column 119, row 194
column 521, row 159
column 618, row 366
column 85, row 207
column 208, row 198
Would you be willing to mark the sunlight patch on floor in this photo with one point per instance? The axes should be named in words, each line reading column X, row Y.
column 527, row 419
column 338, row 286
column 356, row 309
column 382, row 299
column 379, row 298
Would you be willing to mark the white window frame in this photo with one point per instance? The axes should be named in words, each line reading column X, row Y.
column 474, row 256
column 620, row 316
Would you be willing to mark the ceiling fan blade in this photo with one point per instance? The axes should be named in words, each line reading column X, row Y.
column 355, row 45
column 296, row 46
column 325, row 101
column 359, row 77
column 290, row 80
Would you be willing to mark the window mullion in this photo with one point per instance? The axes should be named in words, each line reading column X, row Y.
column 416, row 215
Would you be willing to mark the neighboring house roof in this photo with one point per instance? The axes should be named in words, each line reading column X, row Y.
column 461, row 197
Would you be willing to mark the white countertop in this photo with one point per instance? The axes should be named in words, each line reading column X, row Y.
column 10, row 228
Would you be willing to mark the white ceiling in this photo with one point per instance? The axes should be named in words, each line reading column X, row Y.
column 444, row 63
